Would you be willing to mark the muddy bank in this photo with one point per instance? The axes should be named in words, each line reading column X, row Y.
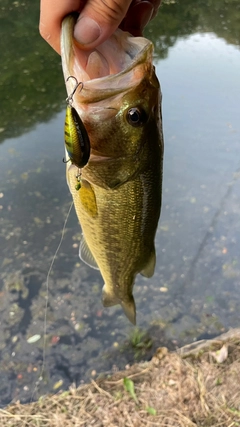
column 197, row 385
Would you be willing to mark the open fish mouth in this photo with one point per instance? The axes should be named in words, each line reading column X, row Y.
column 115, row 66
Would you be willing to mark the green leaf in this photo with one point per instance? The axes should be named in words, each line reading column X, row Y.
column 151, row 410
column 129, row 387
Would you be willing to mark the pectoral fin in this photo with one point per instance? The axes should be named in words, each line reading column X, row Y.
column 88, row 199
column 86, row 255
column 148, row 270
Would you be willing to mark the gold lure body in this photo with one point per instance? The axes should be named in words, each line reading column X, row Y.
column 77, row 143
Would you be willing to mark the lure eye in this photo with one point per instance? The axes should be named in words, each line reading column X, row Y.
column 136, row 117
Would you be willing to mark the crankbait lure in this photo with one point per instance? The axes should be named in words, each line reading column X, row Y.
column 75, row 135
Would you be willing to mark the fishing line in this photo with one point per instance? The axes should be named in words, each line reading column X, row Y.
column 40, row 378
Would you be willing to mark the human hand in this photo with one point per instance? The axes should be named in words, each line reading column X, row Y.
column 97, row 21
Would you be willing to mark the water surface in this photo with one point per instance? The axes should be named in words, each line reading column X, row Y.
column 195, row 290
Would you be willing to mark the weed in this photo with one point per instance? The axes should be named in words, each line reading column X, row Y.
column 140, row 342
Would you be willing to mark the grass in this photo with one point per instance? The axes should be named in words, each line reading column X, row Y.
column 140, row 343
column 172, row 390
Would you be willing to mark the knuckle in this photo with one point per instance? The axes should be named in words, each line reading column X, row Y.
column 114, row 9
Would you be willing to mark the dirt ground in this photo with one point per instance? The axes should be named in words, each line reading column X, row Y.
column 199, row 385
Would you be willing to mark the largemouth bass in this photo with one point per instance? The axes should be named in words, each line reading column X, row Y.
column 119, row 200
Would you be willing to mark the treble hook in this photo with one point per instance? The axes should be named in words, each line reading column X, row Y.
column 65, row 161
column 69, row 99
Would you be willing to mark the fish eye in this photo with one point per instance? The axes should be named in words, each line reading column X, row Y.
column 136, row 117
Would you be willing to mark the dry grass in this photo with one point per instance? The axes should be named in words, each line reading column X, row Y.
column 183, row 389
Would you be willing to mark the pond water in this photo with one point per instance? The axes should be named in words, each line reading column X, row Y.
column 195, row 292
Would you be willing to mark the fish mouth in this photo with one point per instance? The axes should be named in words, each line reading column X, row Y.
column 113, row 67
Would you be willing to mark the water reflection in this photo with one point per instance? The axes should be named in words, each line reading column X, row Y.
column 180, row 19
column 195, row 291
column 31, row 82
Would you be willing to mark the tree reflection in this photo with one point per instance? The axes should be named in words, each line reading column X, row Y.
column 31, row 82
column 183, row 18
column 174, row 20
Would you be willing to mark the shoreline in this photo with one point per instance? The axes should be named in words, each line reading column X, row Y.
column 194, row 386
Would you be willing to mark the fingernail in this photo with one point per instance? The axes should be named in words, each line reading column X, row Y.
column 86, row 30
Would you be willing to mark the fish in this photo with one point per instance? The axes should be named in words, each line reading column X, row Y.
column 119, row 202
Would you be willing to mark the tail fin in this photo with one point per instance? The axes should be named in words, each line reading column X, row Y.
column 128, row 305
column 129, row 309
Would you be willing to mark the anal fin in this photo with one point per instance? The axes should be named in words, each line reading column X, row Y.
column 109, row 299
column 128, row 305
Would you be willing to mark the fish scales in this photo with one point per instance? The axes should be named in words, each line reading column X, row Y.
column 118, row 204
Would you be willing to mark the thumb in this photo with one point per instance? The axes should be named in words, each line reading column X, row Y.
column 98, row 20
